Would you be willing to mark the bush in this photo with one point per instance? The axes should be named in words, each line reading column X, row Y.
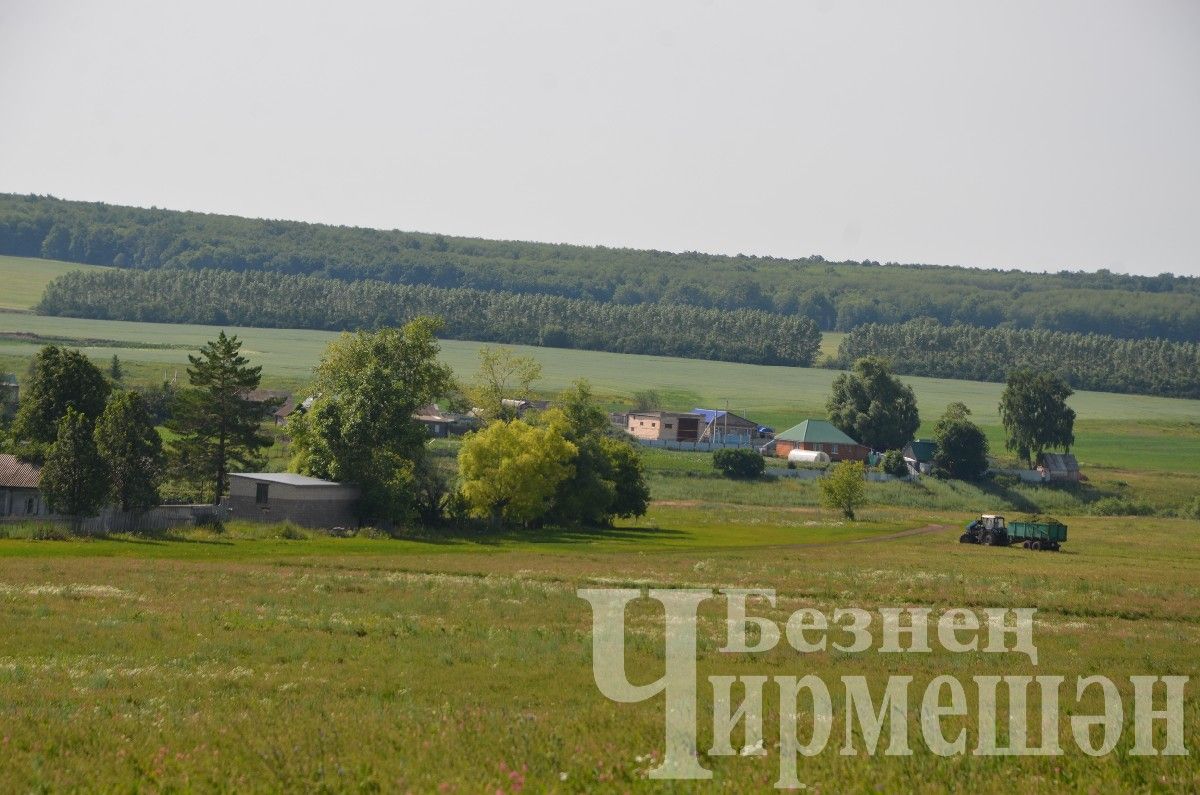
column 739, row 463
column 292, row 532
column 893, row 463
column 1191, row 511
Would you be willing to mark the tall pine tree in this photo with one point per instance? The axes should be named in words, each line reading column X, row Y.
column 219, row 426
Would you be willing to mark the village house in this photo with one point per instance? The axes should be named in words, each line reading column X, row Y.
column 282, row 403
column 667, row 426
column 284, row 496
column 441, row 424
column 918, row 454
column 822, row 436
column 725, row 427
column 19, row 494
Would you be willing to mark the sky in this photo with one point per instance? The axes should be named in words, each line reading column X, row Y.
column 1038, row 135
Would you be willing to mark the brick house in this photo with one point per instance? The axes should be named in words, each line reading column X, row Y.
column 284, row 496
column 820, row 435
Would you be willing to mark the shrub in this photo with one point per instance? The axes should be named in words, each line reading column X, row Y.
column 739, row 463
column 292, row 532
column 893, row 463
column 1191, row 511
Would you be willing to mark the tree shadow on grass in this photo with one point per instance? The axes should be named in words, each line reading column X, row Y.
column 540, row 535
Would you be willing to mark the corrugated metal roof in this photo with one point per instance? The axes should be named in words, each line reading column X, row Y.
column 16, row 474
column 289, row 478
column 816, row 431
column 1059, row 462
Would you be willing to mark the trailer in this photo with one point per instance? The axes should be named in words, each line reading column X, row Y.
column 1038, row 535
column 991, row 530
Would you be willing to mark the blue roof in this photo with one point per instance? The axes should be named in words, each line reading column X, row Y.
column 709, row 414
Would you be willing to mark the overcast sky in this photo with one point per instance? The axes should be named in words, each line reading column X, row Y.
column 1039, row 135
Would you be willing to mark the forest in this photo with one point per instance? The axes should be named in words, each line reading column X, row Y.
column 1086, row 361
column 835, row 295
column 276, row 300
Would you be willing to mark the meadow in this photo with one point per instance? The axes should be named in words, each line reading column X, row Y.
column 25, row 279
column 361, row 665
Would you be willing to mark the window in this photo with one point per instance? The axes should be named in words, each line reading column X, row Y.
column 260, row 492
column 834, row 448
column 30, row 506
column 668, row 425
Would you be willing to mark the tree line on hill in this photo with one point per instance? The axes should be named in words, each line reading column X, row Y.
column 1085, row 361
column 835, row 295
column 282, row 301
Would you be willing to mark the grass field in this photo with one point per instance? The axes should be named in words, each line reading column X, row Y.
column 324, row 665
column 25, row 279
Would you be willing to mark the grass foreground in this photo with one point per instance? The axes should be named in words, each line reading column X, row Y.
column 364, row 665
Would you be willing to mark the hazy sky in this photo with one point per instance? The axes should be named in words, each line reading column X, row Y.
column 1012, row 134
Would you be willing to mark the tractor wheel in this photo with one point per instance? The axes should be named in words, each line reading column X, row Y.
column 1036, row 546
column 1054, row 547
column 965, row 538
column 1025, row 544
column 988, row 540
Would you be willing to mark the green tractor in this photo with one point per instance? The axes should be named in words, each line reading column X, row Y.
column 991, row 530
column 988, row 530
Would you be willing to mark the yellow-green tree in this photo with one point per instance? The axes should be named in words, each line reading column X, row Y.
column 844, row 488
column 510, row 471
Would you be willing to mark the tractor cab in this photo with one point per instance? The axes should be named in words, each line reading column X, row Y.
column 989, row 529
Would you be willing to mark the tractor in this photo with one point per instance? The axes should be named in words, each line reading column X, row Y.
column 988, row 529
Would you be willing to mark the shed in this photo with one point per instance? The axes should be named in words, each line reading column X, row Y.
column 918, row 454
column 20, row 497
column 285, row 496
column 823, row 436
column 1059, row 466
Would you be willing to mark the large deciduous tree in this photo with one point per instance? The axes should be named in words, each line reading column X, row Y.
column 873, row 406
column 608, row 479
column 74, row 478
column 132, row 452
column 511, row 470
column 60, row 379
column 219, row 426
column 359, row 427
column 1035, row 414
column 962, row 448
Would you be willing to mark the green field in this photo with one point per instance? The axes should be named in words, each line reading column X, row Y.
column 25, row 279
column 351, row 665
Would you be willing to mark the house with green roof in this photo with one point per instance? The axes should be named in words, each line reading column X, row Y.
column 820, row 435
column 918, row 454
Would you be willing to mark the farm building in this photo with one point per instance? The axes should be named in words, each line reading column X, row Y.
column 1059, row 466
column 441, row 424
column 820, row 435
column 19, row 494
column 918, row 454
column 729, row 428
column 669, row 426
column 277, row 404
column 283, row 496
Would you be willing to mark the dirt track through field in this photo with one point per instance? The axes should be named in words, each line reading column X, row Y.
column 916, row 531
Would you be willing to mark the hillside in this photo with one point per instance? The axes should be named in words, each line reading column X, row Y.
column 836, row 295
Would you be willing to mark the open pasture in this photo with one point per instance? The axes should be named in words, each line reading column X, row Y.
column 424, row 666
